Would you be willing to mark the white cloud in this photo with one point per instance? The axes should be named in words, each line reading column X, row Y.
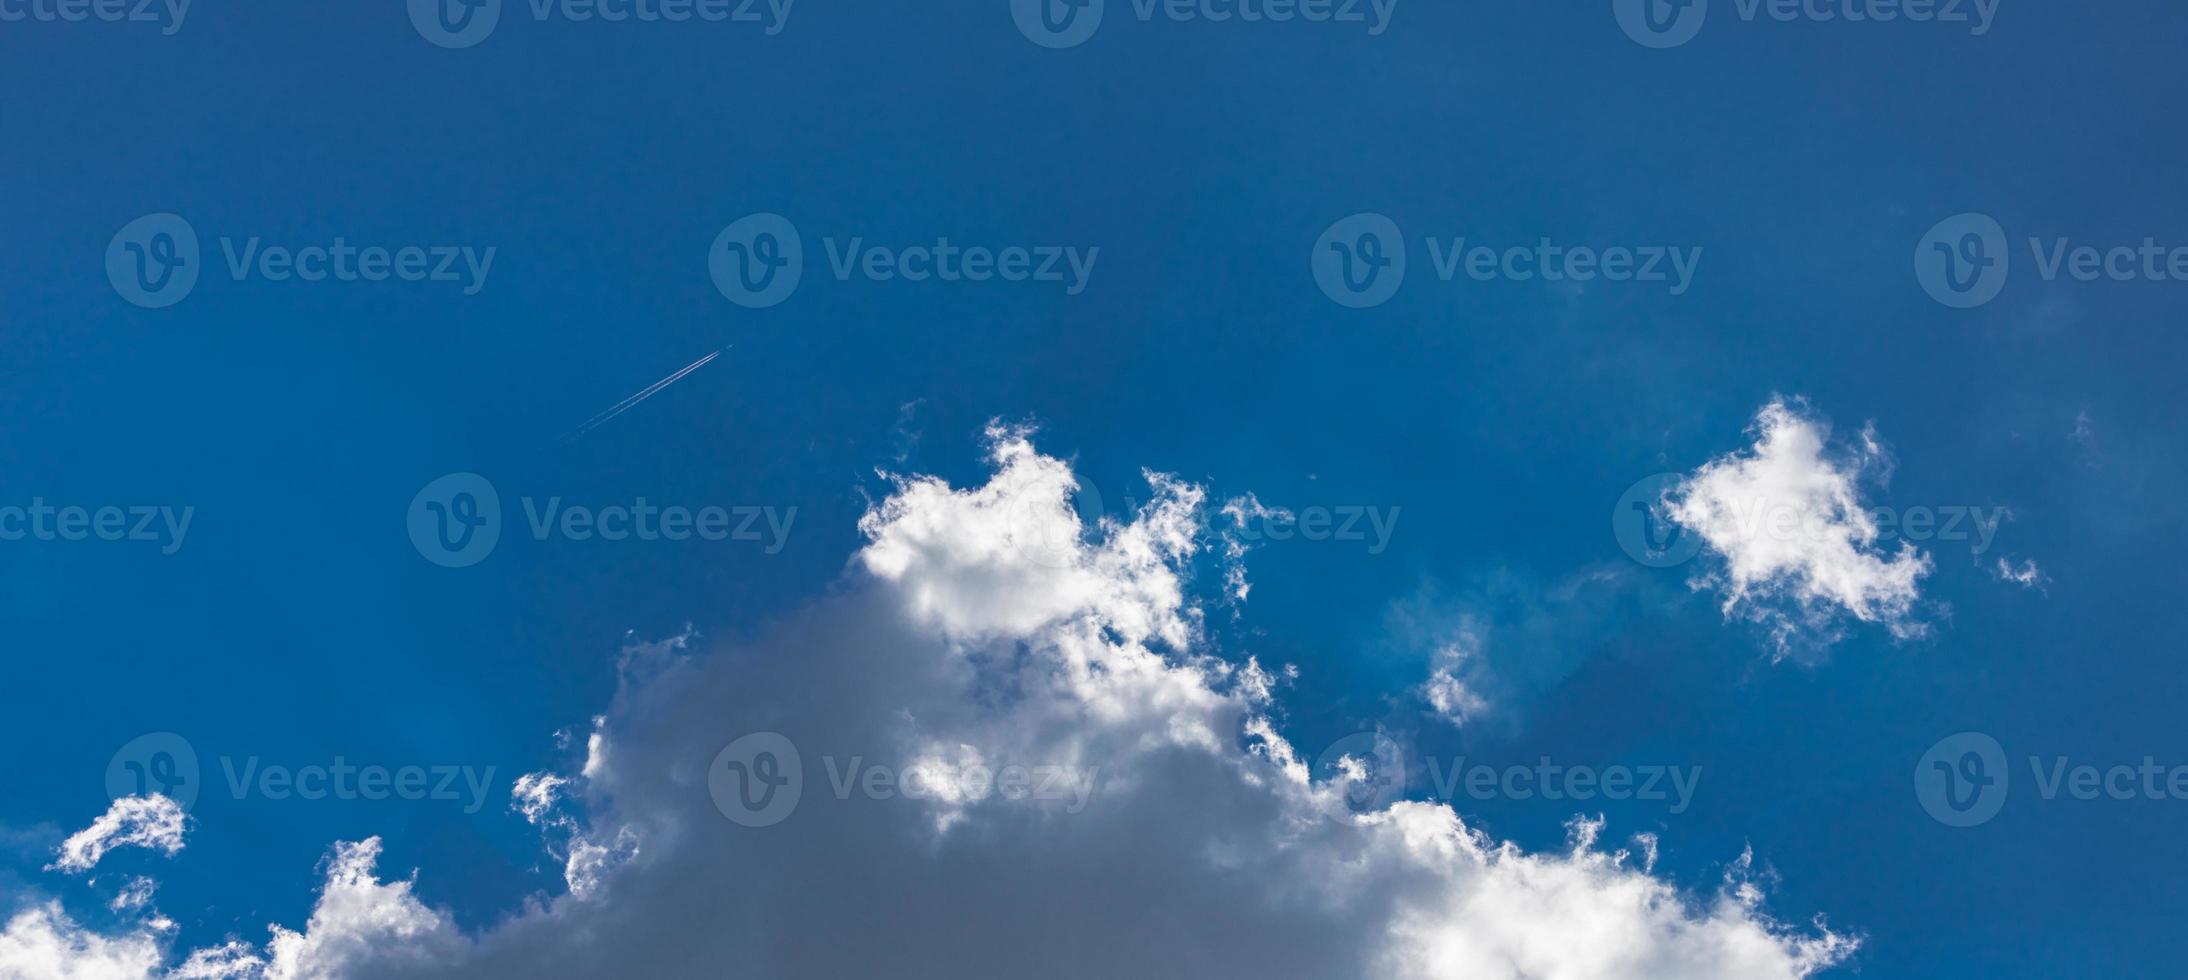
column 1012, row 557
column 232, row 960
column 358, row 925
column 2025, row 575
column 1243, row 512
column 1798, row 548
column 585, row 860
column 1511, row 916
column 1206, row 846
column 42, row 942
column 1448, row 694
column 534, row 795
column 137, row 894
column 152, row 821
column 360, row 920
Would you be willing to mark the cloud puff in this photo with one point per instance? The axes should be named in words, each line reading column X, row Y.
column 1797, row 548
column 359, row 926
column 41, row 941
column 2025, row 574
column 137, row 894
column 152, row 821
column 360, row 923
column 1448, row 694
column 1159, row 823
column 584, row 859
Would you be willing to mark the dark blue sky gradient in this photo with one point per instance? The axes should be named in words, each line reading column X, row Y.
column 1503, row 419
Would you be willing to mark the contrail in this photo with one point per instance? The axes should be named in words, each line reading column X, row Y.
column 653, row 389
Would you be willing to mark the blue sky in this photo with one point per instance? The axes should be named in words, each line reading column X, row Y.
column 1492, row 424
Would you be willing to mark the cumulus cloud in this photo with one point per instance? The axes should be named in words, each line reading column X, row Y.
column 152, row 821
column 1006, row 748
column 359, row 926
column 1796, row 548
column 585, row 859
column 41, row 941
